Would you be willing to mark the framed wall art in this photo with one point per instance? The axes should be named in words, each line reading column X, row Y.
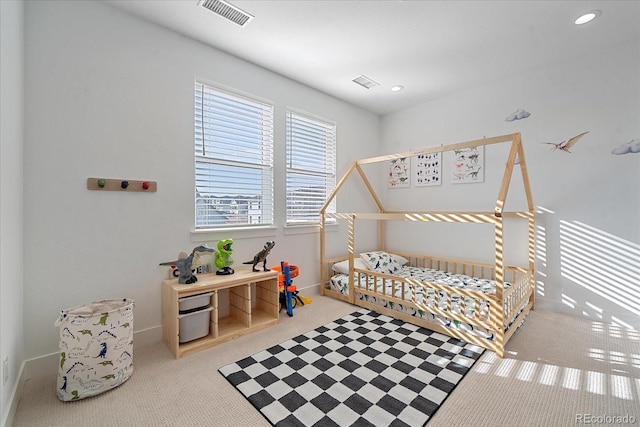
column 427, row 170
column 468, row 164
column 399, row 173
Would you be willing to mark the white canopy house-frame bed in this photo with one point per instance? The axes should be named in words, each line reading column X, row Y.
column 480, row 303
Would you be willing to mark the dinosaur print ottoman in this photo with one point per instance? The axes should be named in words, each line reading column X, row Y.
column 96, row 348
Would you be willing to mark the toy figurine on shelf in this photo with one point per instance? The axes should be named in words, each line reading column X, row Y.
column 184, row 264
column 261, row 257
column 223, row 258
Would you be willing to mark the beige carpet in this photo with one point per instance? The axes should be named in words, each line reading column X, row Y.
column 557, row 370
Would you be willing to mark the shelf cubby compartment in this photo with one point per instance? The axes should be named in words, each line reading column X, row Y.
column 243, row 303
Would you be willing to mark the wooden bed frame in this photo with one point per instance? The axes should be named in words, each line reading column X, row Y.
column 508, row 306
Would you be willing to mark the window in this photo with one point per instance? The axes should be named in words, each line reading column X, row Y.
column 311, row 167
column 234, row 159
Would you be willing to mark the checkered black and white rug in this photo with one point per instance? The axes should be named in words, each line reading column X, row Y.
column 365, row 369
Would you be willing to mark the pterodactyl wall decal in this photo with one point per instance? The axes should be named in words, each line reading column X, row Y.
column 566, row 145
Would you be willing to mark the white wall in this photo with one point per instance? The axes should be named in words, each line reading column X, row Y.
column 11, row 201
column 109, row 95
column 587, row 202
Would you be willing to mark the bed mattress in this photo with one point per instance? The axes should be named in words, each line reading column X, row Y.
column 426, row 297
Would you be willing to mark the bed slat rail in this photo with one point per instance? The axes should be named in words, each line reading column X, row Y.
column 517, row 295
column 471, row 307
column 325, row 276
column 456, row 266
column 463, row 305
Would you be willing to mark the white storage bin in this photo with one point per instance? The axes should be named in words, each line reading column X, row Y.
column 195, row 324
column 96, row 348
column 193, row 302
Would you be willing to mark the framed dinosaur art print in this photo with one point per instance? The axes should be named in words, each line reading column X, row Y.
column 468, row 165
column 399, row 175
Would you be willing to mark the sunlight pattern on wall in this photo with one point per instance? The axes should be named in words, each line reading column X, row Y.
column 601, row 263
column 541, row 251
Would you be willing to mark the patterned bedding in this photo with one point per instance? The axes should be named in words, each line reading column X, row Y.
column 340, row 283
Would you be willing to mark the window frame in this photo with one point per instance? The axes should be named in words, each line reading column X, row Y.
column 249, row 119
column 329, row 177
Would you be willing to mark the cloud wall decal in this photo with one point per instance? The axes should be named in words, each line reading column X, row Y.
column 632, row 146
column 517, row 115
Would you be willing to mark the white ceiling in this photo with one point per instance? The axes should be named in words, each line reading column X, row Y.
column 432, row 48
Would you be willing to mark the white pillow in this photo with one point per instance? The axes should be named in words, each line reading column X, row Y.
column 343, row 266
column 400, row 259
column 381, row 262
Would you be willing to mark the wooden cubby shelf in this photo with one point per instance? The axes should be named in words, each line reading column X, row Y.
column 243, row 303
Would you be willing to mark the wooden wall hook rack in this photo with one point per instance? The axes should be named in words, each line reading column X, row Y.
column 121, row 185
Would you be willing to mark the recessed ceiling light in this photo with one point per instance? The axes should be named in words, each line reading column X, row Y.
column 587, row 17
column 397, row 88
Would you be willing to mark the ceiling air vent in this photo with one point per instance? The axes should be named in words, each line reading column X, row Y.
column 365, row 81
column 227, row 10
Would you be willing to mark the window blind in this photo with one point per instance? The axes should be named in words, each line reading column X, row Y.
column 234, row 159
column 311, row 167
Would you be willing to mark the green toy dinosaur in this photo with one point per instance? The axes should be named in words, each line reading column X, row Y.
column 223, row 258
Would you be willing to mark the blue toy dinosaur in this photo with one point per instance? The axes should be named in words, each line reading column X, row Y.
column 184, row 264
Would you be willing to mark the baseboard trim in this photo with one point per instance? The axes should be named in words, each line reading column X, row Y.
column 626, row 321
column 14, row 400
column 311, row 290
column 48, row 364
